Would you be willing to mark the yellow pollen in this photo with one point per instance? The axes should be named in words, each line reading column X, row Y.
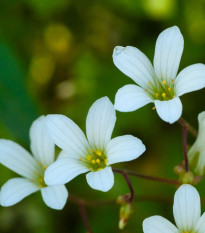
column 157, row 94
column 105, row 161
column 97, row 161
column 164, row 82
column 99, row 153
column 146, row 90
column 99, row 169
column 92, row 150
column 163, row 95
column 44, row 166
column 150, row 83
column 169, row 89
column 40, row 180
column 172, row 80
column 153, row 108
column 93, row 161
column 41, row 186
column 88, row 157
column 39, row 163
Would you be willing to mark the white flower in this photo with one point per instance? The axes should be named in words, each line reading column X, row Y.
column 196, row 153
column 161, row 84
column 93, row 154
column 187, row 214
column 31, row 168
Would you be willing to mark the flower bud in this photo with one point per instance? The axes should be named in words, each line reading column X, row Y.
column 196, row 154
column 126, row 211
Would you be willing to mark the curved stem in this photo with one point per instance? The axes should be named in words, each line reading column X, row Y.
column 189, row 127
column 153, row 178
column 129, row 185
column 84, row 217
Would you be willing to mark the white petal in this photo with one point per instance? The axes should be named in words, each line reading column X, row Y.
column 42, row 147
column 168, row 52
column 55, row 196
column 187, row 207
column 192, row 78
column 100, row 123
column 200, row 226
column 63, row 171
column 158, row 224
column 17, row 159
column 16, row 189
column 67, row 135
column 169, row 111
column 130, row 98
column 124, row 148
column 102, row 180
column 133, row 63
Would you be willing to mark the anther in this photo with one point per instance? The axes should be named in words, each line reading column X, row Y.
column 99, row 153
column 157, row 94
column 164, row 82
column 169, row 89
column 92, row 150
column 44, row 166
column 163, row 95
column 150, row 83
column 146, row 90
column 105, row 161
column 93, row 161
column 88, row 157
column 153, row 108
column 97, row 161
column 99, row 169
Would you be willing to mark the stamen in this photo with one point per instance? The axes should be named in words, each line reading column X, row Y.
column 146, row 90
column 97, row 161
column 153, row 108
column 92, row 150
column 164, row 82
column 150, row 83
column 105, row 161
column 44, row 166
column 169, row 89
column 157, row 94
column 99, row 169
column 89, row 157
column 93, row 161
column 163, row 95
column 98, row 152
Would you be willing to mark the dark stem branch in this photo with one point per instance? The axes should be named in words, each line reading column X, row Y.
column 189, row 127
column 84, row 217
column 129, row 185
column 185, row 148
column 153, row 178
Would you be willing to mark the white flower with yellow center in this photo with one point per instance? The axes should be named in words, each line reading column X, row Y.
column 32, row 168
column 196, row 153
column 93, row 154
column 187, row 214
column 159, row 84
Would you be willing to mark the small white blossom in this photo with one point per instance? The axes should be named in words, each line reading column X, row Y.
column 187, row 214
column 93, row 154
column 196, row 153
column 32, row 168
column 159, row 84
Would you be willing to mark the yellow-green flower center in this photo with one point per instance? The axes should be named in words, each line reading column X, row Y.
column 38, row 177
column 161, row 90
column 95, row 160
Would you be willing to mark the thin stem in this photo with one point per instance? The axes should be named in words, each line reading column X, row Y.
column 84, row 217
column 129, row 185
column 189, row 127
column 153, row 178
column 185, row 148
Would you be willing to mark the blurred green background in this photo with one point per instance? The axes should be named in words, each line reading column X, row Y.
column 56, row 57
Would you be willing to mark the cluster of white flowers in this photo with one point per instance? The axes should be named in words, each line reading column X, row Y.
column 96, row 152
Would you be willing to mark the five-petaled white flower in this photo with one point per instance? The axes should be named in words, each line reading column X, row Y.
column 94, row 154
column 31, row 168
column 187, row 214
column 196, row 153
column 161, row 84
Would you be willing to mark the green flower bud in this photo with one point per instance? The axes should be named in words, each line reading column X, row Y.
column 196, row 154
column 126, row 211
